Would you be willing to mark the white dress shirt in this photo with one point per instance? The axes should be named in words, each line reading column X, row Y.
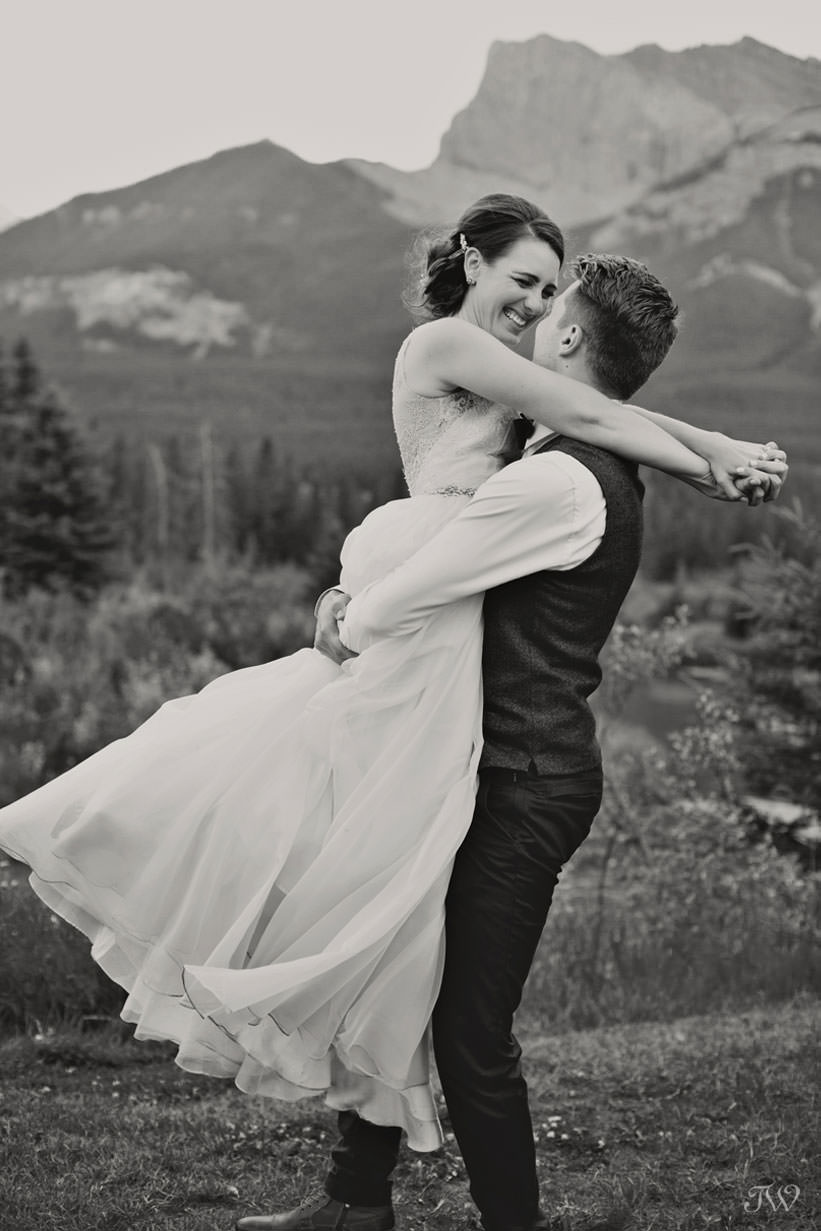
column 540, row 435
column 546, row 511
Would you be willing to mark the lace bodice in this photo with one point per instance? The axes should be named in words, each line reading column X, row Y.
column 452, row 443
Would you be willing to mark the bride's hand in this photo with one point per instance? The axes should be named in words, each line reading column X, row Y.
column 767, row 476
column 765, row 482
column 742, row 469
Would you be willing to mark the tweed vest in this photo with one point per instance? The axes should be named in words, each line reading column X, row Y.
column 543, row 634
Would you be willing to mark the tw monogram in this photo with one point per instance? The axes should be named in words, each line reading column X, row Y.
column 782, row 1198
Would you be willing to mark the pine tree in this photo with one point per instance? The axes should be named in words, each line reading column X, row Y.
column 11, row 435
column 7, row 448
column 116, row 468
column 27, row 380
column 52, row 525
column 184, row 510
column 4, row 391
column 782, row 709
column 263, row 511
column 237, row 500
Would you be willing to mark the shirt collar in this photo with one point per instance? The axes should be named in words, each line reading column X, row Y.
column 540, row 436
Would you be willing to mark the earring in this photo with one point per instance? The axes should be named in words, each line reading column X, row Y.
column 470, row 281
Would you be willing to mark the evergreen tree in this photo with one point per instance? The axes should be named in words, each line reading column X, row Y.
column 238, row 501
column 323, row 561
column 306, row 523
column 116, row 484
column 4, row 391
column 8, row 437
column 11, row 436
column 184, row 504
column 263, row 519
column 27, row 380
column 782, row 709
column 52, row 525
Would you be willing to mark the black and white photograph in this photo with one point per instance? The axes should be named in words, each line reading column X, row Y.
column 410, row 616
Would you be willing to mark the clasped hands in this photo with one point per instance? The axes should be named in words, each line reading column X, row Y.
column 742, row 470
column 330, row 611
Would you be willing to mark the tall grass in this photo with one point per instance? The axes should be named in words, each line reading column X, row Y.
column 675, row 904
column 47, row 977
column 650, row 946
column 627, row 939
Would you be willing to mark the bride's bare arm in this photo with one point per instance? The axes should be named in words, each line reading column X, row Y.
column 773, row 469
column 452, row 354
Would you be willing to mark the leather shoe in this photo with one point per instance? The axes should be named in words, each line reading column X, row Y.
column 322, row 1213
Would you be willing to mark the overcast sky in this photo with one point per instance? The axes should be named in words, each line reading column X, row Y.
column 95, row 94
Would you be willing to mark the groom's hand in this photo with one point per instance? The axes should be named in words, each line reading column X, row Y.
column 769, row 474
column 760, row 480
column 329, row 610
column 765, row 474
column 760, row 487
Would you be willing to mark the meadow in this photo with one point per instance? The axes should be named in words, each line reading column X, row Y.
column 702, row 1122
column 669, row 1024
column 669, row 1018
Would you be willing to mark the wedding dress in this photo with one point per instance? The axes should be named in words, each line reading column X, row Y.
column 263, row 865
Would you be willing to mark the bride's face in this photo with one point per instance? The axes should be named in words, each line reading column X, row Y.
column 513, row 292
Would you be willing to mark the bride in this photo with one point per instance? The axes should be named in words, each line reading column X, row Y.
column 263, row 866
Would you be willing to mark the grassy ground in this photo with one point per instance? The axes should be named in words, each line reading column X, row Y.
column 649, row 1126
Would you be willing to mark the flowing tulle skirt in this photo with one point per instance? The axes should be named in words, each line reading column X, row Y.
column 263, row 865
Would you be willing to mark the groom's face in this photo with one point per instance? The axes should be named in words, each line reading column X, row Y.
column 550, row 330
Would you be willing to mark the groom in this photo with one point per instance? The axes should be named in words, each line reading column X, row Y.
column 555, row 540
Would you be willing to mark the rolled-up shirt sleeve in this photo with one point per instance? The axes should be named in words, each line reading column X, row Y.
column 543, row 512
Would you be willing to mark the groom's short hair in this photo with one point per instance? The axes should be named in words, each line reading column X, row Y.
column 628, row 318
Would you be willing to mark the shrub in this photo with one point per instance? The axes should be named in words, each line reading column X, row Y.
column 677, row 903
column 76, row 676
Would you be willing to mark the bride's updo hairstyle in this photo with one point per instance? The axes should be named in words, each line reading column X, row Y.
column 491, row 225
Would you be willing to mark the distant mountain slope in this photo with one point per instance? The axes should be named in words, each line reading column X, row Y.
column 269, row 243
column 253, row 289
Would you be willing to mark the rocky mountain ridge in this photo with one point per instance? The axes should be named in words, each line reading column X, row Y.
column 591, row 135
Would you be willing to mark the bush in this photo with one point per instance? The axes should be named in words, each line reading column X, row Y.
column 779, row 610
column 678, row 903
column 75, row 676
column 689, row 914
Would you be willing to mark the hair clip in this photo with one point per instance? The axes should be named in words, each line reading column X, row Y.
column 463, row 243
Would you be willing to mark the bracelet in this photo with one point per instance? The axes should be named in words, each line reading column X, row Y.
column 330, row 590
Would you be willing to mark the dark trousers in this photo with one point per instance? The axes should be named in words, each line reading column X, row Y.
column 524, row 830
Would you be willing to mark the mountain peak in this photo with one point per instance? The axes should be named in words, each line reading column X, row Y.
column 590, row 135
column 750, row 83
column 577, row 125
